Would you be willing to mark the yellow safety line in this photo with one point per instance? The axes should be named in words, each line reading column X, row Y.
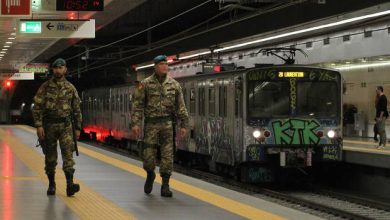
column 367, row 150
column 87, row 204
column 19, row 178
column 359, row 142
column 222, row 202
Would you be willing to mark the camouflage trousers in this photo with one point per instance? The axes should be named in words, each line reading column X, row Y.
column 158, row 134
column 63, row 133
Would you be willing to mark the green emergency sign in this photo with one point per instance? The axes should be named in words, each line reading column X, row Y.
column 31, row 27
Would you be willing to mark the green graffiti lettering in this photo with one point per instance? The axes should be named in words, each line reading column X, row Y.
column 297, row 126
column 295, row 131
column 309, row 136
column 279, row 132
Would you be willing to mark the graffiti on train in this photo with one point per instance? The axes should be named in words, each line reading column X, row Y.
column 213, row 139
column 295, row 131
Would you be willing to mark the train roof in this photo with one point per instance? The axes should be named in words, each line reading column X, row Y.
column 224, row 73
column 238, row 71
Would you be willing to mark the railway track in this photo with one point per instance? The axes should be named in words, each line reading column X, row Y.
column 323, row 203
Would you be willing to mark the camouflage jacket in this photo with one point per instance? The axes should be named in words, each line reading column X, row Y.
column 154, row 99
column 56, row 98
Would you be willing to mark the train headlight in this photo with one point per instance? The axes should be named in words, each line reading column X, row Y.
column 331, row 134
column 256, row 133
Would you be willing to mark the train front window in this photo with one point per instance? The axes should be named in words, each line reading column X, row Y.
column 317, row 99
column 268, row 99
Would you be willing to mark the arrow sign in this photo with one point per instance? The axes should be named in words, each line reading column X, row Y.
column 56, row 28
column 49, row 26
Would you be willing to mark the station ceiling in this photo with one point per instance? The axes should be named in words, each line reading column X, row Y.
column 145, row 28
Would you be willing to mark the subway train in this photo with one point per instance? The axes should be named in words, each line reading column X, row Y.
column 250, row 123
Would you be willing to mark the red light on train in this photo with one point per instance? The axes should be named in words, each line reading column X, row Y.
column 8, row 84
column 217, row 68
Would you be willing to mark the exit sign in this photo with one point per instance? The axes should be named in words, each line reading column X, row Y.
column 31, row 27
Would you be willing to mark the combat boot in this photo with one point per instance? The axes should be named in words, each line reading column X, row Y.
column 148, row 187
column 71, row 188
column 165, row 192
column 51, row 190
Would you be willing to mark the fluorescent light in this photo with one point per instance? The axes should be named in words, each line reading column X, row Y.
column 144, row 67
column 194, row 55
column 4, row 49
column 359, row 66
column 11, row 38
column 3, row 52
column 6, row 46
column 350, row 20
column 8, row 42
column 13, row 33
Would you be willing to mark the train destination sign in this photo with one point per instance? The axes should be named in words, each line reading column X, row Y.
column 56, row 28
column 291, row 74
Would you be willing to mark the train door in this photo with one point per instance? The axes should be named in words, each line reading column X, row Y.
column 238, row 119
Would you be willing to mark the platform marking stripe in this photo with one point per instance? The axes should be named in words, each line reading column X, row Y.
column 19, row 178
column 366, row 150
column 87, row 204
column 360, row 142
column 227, row 204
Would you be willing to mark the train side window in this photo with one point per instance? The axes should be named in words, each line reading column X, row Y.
column 130, row 102
column 201, row 101
column 112, row 100
column 222, row 101
column 238, row 98
column 211, row 99
column 125, row 101
column 121, row 100
column 107, row 103
column 192, row 101
column 185, row 97
column 89, row 104
column 116, row 103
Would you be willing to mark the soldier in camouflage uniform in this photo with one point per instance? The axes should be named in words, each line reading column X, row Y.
column 159, row 99
column 54, row 103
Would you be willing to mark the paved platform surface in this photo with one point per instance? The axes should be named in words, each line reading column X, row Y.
column 112, row 188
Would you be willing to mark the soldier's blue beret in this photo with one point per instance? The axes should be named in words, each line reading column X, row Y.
column 159, row 58
column 59, row 62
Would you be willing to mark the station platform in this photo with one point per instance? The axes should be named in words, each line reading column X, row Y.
column 364, row 151
column 112, row 188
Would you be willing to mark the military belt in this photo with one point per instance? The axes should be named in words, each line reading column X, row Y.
column 158, row 119
column 56, row 120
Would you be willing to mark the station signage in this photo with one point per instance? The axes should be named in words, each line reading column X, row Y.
column 35, row 67
column 15, row 8
column 56, row 28
column 17, row 76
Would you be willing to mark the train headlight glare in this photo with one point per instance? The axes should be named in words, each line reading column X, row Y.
column 256, row 133
column 331, row 134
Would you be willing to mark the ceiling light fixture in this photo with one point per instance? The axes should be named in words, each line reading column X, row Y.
column 8, row 42
column 194, row 55
column 319, row 27
column 11, row 38
column 143, row 67
column 6, row 46
column 359, row 66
